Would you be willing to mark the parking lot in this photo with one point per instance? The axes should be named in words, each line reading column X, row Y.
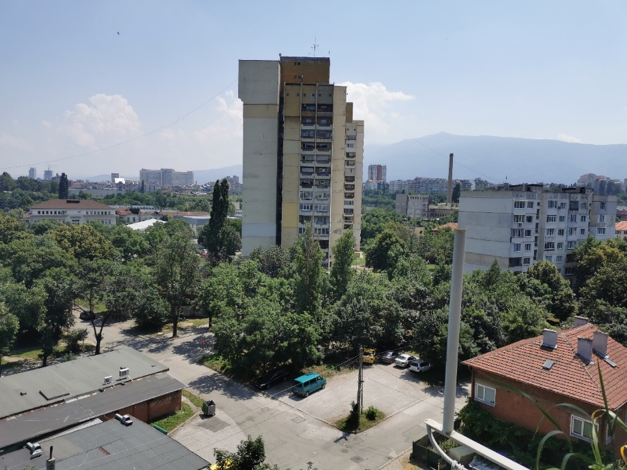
column 298, row 430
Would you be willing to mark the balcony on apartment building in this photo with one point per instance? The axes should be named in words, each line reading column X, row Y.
column 323, row 172
column 306, row 183
column 349, row 187
column 325, row 109
column 322, row 195
column 349, row 195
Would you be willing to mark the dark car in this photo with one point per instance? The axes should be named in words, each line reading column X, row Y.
column 87, row 315
column 269, row 379
column 389, row 356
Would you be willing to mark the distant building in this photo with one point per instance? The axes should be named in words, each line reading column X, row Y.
column 437, row 211
column 621, row 229
column 522, row 224
column 312, row 172
column 166, row 177
column 114, row 177
column 72, row 211
column 32, row 173
column 621, row 212
column 47, row 174
column 377, row 173
column 413, row 205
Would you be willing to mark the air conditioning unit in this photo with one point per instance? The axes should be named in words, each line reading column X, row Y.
column 34, row 448
column 108, row 379
column 124, row 372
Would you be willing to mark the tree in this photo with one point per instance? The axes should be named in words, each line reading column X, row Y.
column 60, row 286
column 82, row 242
column 373, row 222
column 308, row 271
column 9, row 326
column 212, row 236
column 142, row 189
column 341, row 269
column 11, row 229
column 456, row 193
column 273, row 262
column 377, row 253
column 250, row 455
column 7, row 183
column 176, row 275
column 562, row 303
column 221, row 292
column 64, row 187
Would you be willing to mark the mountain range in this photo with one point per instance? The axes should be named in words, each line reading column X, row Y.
column 497, row 159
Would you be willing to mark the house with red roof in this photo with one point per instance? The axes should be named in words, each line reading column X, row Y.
column 557, row 367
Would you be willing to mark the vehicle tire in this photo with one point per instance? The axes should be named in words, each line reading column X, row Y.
column 323, row 385
column 306, row 394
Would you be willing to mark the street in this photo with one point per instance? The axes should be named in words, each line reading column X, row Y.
column 295, row 430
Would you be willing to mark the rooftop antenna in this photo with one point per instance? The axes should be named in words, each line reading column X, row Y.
column 315, row 46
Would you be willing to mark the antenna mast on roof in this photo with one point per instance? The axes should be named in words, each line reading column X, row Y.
column 315, row 46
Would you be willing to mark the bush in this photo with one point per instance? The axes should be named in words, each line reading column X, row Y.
column 371, row 413
column 74, row 338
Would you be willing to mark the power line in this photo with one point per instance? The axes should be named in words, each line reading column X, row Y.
column 126, row 141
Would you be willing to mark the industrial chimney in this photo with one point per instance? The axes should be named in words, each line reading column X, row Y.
column 449, row 190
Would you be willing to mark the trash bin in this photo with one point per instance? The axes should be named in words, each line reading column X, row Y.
column 209, row 408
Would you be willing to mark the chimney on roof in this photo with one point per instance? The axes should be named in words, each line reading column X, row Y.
column 580, row 321
column 549, row 339
column 599, row 343
column 584, row 349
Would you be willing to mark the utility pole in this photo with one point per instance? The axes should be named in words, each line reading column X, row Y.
column 360, row 380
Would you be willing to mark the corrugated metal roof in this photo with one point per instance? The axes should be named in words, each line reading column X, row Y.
column 32, row 425
column 110, row 446
column 43, row 387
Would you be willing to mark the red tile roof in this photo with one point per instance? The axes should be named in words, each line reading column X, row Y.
column 570, row 376
column 75, row 204
column 621, row 225
column 452, row 225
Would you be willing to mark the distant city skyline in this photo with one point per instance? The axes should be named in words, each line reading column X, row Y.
column 534, row 70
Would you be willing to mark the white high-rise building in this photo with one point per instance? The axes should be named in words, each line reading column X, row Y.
column 32, row 173
column 303, row 154
column 520, row 225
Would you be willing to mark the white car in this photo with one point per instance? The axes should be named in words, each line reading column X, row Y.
column 404, row 360
column 419, row 365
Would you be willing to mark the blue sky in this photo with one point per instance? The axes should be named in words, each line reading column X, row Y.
column 71, row 85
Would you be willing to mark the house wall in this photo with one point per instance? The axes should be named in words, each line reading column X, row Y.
column 151, row 410
column 514, row 408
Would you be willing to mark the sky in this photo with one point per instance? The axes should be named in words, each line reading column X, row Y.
column 96, row 87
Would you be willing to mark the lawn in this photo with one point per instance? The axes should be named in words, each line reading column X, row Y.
column 195, row 399
column 171, row 422
column 186, row 324
column 217, row 363
column 367, row 419
column 99, row 307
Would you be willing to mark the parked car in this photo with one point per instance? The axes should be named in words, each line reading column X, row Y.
column 420, row 365
column 308, row 383
column 404, row 360
column 368, row 357
column 268, row 379
column 87, row 315
column 389, row 356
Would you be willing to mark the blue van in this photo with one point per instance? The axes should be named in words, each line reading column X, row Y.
column 308, row 383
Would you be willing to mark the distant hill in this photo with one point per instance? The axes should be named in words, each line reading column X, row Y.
column 201, row 176
column 495, row 158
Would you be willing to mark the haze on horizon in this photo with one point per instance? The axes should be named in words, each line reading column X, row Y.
column 72, row 85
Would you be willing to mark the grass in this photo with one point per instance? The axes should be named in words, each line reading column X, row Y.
column 357, row 261
column 99, row 307
column 186, row 324
column 171, row 422
column 217, row 363
column 347, row 425
column 195, row 399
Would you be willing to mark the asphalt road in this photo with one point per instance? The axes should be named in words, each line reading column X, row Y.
column 295, row 430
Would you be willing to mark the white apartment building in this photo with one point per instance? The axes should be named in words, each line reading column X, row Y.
column 303, row 154
column 72, row 211
column 519, row 225
column 167, row 177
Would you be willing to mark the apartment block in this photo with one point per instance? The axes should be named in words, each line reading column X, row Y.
column 520, row 225
column 413, row 205
column 32, row 173
column 167, row 177
column 303, row 154
column 377, row 173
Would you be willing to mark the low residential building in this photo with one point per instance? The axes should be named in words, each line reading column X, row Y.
column 45, row 401
column 72, row 211
column 107, row 445
column 518, row 225
column 557, row 367
column 437, row 211
column 621, row 229
column 621, row 212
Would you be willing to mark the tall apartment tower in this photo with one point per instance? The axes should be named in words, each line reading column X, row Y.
column 303, row 154
column 32, row 173
column 377, row 173
column 520, row 225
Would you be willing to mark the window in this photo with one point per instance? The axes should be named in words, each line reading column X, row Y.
column 519, row 218
column 562, row 218
column 559, row 259
column 569, row 271
column 549, row 258
column 601, row 218
column 526, row 261
column 572, row 231
column 601, row 231
column 552, row 204
column 549, row 246
column 517, row 246
column 560, row 232
column 529, row 219
column 529, row 204
column 570, row 245
column 602, row 206
column 581, row 428
column 550, row 232
column 551, row 218
column 573, row 217
column 583, row 218
column 527, row 246
column 582, row 231
column 560, row 246
column 485, row 394
column 519, row 204
column 527, row 233
column 584, row 205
